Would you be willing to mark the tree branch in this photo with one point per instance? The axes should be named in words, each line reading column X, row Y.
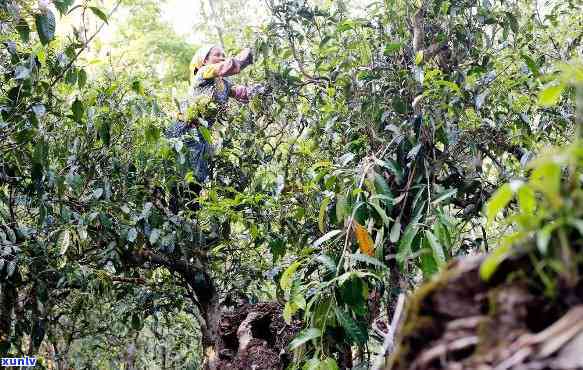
column 84, row 47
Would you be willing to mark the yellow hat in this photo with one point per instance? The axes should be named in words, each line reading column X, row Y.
column 199, row 58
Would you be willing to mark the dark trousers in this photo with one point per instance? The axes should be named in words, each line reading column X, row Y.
column 181, row 196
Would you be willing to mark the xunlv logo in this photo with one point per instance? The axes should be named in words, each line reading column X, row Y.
column 19, row 361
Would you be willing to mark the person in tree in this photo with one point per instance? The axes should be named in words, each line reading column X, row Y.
column 210, row 92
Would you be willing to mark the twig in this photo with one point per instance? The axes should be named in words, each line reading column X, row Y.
column 389, row 342
column 85, row 45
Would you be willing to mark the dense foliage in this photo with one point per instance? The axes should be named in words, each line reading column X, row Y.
column 361, row 171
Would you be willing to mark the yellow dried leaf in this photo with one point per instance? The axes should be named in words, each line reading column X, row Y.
column 365, row 242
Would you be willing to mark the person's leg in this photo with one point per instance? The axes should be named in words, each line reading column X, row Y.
column 174, row 198
column 194, row 190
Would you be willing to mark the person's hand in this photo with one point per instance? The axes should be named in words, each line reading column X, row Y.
column 245, row 57
column 257, row 89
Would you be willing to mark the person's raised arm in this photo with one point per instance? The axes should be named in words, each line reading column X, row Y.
column 228, row 67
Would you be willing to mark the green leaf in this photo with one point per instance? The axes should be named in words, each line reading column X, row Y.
column 543, row 237
column 45, row 26
column 98, row 12
column 381, row 185
column 427, row 262
column 547, row 179
column 499, row 200
column 138, row 87
column 353, row 330
column 526, row 199
column 81, row 78
column 351, row 291
column 23, row 30
column 419, row 57
column 550, row 95
column 104, row 133
column 71, row 76
column 491, row 263
column 78, row 109
column 136, row 322
column 10, row 268
column 11, row 235
column 381, row 213
column 105, row 221
column 327, row 261
column 322, row 215
column 577, row 224
column 63, row 5
column 512, row 22
column 206, row 134
column 328, row 364
column 437, row 249
column 65, row 242
column 277, row 248
column 299, row 301
column 445, row 195
column 368, row 259
column 304, row 336
column 288, row 311
column 531, row 64
column 340, row 208
column 154, row 236
column 132, row 235
column 329, row 235
column 97, row 193
column 393, row 167
column 312, row 364
column 287, row 276
column 404, row 249
column 395, row 231
column 392, row 47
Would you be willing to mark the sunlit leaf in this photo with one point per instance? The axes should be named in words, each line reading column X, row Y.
column 550, row 95
column 526, row 199
column 329, row 235
column 327, row 261
column 65, row 242
column 498, row 201
column 288, row 311
column 395, row 231
column 419, row 57
column 304, row 336
column 491, row 263
column 287, row 276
